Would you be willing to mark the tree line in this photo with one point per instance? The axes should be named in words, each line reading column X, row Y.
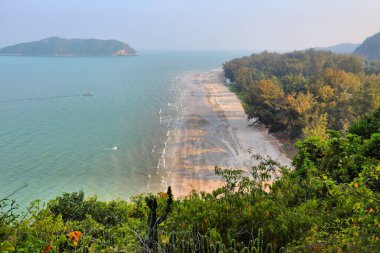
column 304, row 93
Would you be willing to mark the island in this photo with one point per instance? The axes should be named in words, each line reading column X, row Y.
column 55, row 46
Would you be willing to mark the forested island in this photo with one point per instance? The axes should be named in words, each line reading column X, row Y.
column 55, row 46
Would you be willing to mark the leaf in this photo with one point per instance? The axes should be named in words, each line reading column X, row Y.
column 356, row 206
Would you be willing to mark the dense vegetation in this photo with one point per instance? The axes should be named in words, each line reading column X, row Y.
column 305, row 93
column 55, row 46
column 328, row 202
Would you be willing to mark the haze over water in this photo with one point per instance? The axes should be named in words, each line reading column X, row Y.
column 56, row 140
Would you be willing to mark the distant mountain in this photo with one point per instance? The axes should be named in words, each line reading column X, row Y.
column 370, row 48
column 55, row 46
column 344, row 48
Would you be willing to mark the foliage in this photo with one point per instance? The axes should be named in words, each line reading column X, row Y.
column 329, row 201
column 305, row 93
column 367, row 126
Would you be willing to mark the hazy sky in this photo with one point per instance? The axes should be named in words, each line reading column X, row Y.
column 193, row 24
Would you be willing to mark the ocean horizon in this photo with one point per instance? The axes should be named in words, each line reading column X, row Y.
column 54, row 139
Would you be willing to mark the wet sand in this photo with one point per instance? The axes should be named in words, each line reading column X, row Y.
column 212, row 131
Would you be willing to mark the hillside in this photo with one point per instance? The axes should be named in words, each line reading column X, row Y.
column 305, row 93
column 55, row 46
column 344, row 48
column 328, row 202
column 370, row 48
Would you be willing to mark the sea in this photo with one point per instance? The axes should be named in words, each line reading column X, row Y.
column 97, row 124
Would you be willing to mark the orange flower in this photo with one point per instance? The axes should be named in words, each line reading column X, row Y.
column 78, row 233
column 74, row 237
column 356, row 185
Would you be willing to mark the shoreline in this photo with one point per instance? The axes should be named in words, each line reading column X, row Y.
column 212, row 130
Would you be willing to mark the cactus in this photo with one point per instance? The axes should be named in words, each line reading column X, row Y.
column 245, row 250
column 218, row 247
column 196, row 232
column 196, row 238
column 151, row 240
column 202, row 244
column 190, row 248
column 183, row 247
column 260, row 241
column 269, row 248
column 233, row 245
column 241, row 246
column 256, row 246
column 205, row 245
column 172, row 246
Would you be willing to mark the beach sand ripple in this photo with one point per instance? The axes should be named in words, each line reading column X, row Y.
column 213, row 130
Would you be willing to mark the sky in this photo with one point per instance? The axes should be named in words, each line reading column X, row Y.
column 274, row 25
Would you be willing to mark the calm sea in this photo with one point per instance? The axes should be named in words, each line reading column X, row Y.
column 54, row 140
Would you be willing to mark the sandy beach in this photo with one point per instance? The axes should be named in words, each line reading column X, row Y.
column 212, row 131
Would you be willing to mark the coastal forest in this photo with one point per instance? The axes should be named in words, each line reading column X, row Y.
column 327, row 201
column 304, row 93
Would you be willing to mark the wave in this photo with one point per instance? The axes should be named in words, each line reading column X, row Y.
column 114, row 148
column 169, row 118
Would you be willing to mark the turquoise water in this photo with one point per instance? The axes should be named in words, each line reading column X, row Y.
column 56, row 140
